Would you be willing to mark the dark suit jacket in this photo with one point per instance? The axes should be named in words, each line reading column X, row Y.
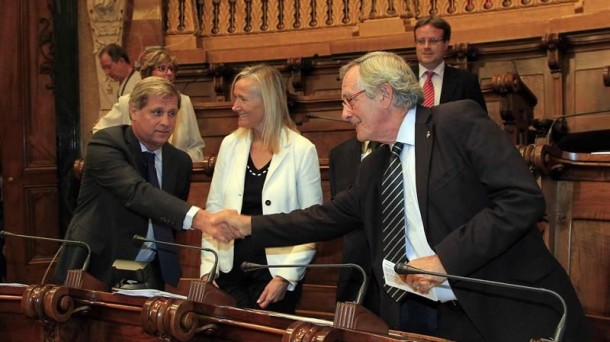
column 344, row 160
column 459, row 84
column 115, row 201
column 479, row 205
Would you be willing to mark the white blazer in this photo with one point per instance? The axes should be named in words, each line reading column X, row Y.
column 186, row 135
column 292, row 182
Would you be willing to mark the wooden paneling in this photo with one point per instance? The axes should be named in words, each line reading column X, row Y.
column 29, row 137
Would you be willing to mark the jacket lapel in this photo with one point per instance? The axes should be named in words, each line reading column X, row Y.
column 449, row 85
column 133, row 144
column 424, row 138
column 277, row 159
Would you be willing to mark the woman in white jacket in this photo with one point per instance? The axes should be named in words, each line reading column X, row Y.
column 264, row 167
column 159, row 62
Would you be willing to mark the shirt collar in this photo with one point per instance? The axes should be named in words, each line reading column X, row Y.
column 406, row 133
column 439, row 70
column 157, row 152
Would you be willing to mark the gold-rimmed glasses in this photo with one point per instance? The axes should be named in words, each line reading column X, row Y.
column 347, row 101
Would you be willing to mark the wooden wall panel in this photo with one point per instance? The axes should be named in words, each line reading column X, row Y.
column 29, row 164
column 590, row 272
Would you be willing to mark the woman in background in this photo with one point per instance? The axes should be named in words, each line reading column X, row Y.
column 264, row 167
column 159, row 62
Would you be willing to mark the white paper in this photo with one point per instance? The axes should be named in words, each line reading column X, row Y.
column 147, row 293
column 14, row 285
column 393, row 279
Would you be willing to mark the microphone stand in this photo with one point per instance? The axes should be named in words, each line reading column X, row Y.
column 75, row 278
column 140, row 238
column 201, row 291
column 403, row 268
column 348, row 315
column 80, row 243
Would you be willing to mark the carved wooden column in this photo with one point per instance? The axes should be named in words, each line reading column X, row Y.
column 106, row 20
column 553, row 44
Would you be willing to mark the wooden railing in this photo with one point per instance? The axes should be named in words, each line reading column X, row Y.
column 217, row 18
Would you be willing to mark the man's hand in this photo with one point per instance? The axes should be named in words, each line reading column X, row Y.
column 214, row 226
column 231, row 218
column 421, row 282
column 274, row 292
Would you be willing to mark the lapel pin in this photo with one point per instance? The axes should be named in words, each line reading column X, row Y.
column 428, row 134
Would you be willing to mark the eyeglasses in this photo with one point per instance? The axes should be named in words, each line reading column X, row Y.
column 431, row 41
column 347, row 101
column 165, row 68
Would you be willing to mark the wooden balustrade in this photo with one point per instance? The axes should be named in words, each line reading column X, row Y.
column 219, row 18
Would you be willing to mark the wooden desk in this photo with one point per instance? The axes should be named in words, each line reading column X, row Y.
column 56, row 313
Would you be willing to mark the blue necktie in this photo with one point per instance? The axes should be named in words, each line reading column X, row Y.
column 168, row 255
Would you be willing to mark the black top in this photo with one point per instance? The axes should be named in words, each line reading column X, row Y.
column 253, row 189
column 252, row 205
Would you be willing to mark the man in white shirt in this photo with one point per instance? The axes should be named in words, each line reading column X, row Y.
column 114, row 60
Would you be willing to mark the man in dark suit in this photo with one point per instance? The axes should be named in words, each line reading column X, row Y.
column 470, row 209
column 118, row 198
column 432, row 36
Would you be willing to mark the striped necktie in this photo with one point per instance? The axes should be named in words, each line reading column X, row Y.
column 393, row 216
column 429, row 89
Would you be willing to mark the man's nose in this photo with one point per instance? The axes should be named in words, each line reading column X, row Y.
column 346, row 113
column 165, row 119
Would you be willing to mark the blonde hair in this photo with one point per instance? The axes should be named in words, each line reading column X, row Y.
column 379, row 67
column 272, row 90
column 153, row 57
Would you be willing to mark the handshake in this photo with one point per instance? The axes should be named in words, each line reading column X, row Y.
column 224, row 226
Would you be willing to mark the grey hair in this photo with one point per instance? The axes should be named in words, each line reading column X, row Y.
column 379, row 67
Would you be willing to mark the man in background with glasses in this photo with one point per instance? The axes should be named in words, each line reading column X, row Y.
column 445, row 83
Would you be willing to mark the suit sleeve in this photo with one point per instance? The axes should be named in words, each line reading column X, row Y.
column 490, row 190
column 112, row 167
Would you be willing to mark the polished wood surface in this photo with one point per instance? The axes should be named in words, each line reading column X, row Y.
column 56, row 313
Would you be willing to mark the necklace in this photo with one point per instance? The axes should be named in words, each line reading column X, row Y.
column 257, row 174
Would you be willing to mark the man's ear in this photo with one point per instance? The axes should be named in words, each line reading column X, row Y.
column 132, row 112
column 387, row 95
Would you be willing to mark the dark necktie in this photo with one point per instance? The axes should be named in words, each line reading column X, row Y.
column 393, row 216
column 168, row 256
column 429, row 89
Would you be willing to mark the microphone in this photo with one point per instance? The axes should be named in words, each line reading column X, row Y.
column 211, row 278
column 403, row 268
column 315, row 116
column 73, row 242
column 250, row 266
